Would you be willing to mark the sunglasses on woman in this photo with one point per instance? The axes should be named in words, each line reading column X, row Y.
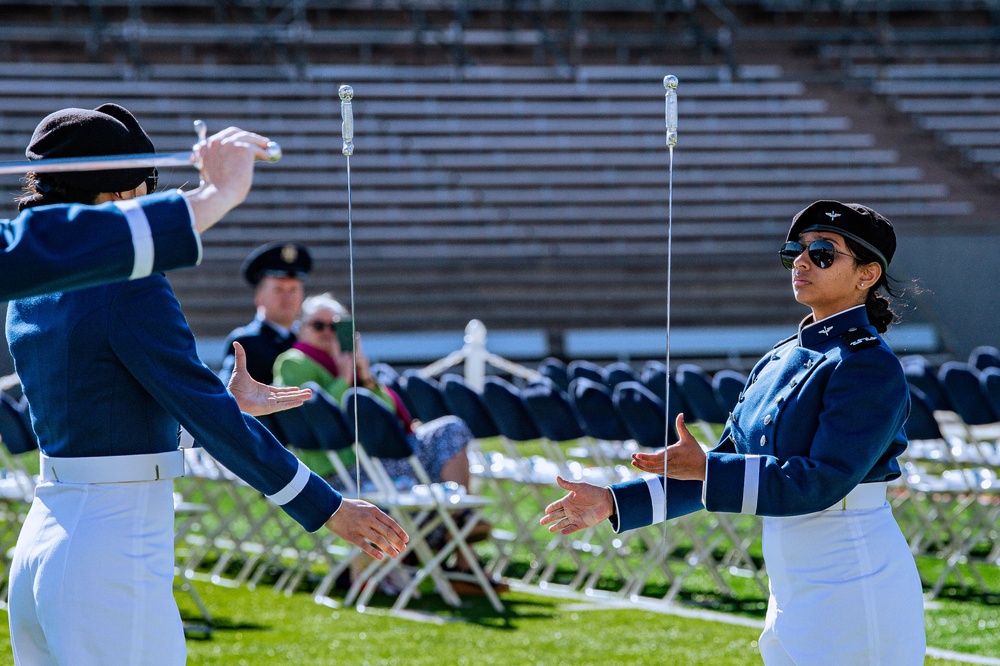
column 821, row 253
column 318, row 326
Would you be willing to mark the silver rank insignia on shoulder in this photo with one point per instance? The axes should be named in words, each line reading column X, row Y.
column 826, row 330
column 809, row 363
column 832, row 215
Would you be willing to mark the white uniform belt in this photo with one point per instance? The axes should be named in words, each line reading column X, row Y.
column 113, row 469
column 864, row 496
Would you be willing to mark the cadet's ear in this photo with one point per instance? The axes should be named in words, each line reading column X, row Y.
column 868, row 275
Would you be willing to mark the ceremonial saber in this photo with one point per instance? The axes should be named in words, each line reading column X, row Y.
column 346, row 94
column 670, row 99
column 108, row 162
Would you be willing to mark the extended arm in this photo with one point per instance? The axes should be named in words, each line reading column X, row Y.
column 62, row 247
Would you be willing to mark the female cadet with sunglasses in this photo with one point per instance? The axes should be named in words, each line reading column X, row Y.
column 108, row 372
column 810, row 446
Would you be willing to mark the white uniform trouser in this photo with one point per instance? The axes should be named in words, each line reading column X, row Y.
column 91, row 582
column 844, row 590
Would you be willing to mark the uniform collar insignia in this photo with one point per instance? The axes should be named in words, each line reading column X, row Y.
column 833, row 215
column 823, row 332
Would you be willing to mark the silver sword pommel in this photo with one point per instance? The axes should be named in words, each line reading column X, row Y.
column 347, row 113
column 670, row 83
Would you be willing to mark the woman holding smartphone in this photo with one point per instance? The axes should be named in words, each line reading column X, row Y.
column 810, row 447
column 322, row 355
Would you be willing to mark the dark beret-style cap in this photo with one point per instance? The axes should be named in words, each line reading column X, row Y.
column 859, row 223
column 278, row 259
column 107, row 130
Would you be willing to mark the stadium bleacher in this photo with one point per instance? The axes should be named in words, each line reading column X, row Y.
column 514, row 182
column 958, row 103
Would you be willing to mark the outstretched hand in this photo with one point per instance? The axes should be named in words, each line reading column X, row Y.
column 368, row 528
column 257, row 399
column 685, row 459
column 585, row 506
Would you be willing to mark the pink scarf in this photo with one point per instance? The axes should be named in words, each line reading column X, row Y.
column 330, row 365
column 319, row 356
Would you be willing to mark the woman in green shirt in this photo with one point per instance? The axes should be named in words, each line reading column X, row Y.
column 317, row 357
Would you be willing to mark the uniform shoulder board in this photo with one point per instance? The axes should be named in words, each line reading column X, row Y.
column 788, row 339
column 859, row 338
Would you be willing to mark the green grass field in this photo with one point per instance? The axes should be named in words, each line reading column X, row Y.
column 261, row 626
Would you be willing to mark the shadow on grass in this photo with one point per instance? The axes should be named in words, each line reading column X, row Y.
column 476, row 610
column 195, row 628
column 698, row 591
column 966, row 594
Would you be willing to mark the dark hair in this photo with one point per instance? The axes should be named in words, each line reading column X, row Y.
column 43, row 189
column 878, row 306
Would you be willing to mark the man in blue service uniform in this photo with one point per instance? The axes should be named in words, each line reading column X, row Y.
column 275, row 271
column 66, row 246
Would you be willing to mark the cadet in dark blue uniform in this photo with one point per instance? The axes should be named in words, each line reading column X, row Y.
column 66, row 246
column 810, row 446
column 109, row 371
column 275, row 271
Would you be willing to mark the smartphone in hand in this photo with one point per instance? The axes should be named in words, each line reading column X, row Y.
column 345, row 334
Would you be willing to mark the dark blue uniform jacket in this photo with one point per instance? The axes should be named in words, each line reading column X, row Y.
column 820, row 414
column 110, row 371
column 55, row 248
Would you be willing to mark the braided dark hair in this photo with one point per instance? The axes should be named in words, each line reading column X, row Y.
column 43, row 189
column 878, row 306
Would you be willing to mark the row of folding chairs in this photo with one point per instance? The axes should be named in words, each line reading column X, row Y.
column 970, row 392
column 703, row 397
column 948, row 498
column 587, row 433
column 948, row 508
column 251, row 541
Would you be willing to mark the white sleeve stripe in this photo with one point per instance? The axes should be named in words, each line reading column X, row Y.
column 704, row 485
column 142, row 237
column 197, row 236
column 751, row 484
column 656, row 497
column 294, row 487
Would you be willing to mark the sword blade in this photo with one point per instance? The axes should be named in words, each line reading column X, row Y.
column 102, row 163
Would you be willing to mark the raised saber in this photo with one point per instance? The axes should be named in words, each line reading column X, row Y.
column 670, row 84
column 108, row 162
column 347, row 132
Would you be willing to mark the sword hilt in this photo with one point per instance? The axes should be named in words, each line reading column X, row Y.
column 347, row 114
column 272, row 149
column 670, row 83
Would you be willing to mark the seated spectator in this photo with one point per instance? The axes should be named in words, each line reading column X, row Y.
column 317, row 357
column 440, row 445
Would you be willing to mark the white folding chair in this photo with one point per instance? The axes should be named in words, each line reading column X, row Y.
column 419, row 509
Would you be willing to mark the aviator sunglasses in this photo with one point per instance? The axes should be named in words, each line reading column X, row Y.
column 821, row 253
column 318, row 326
